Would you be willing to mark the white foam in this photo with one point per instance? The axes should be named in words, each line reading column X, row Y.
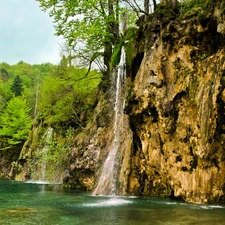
column 132, row 196
column 171, row 203
column 36, row 182
column 109, row 202
column 216, row 207
column 40, row 182
column 212, row 207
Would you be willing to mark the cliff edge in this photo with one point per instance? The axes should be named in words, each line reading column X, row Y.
column 177, row 109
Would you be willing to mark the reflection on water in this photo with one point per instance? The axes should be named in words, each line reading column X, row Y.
column 27, row 203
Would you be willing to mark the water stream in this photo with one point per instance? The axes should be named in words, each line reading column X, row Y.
column 107, row 181
column 40, row 172
column 42, row 204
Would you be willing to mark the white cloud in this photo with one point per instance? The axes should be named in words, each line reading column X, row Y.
column 27, row 33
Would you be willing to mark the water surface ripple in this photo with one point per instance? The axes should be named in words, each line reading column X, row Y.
column 27, row 204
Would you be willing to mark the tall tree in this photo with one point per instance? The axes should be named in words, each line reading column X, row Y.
column 154, row 3
column 17, row 86
column 90, row 27
column 67, row 97
column 15, row 123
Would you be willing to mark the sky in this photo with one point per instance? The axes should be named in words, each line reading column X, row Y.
column 27, row 33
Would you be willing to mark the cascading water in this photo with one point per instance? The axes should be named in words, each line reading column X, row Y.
column 47, row 138
column 107, row 181
column 40, row 174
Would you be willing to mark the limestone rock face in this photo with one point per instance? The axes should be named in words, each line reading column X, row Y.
column 173, row 127
column 177, row 114
column 90, row 152
column 8, row 161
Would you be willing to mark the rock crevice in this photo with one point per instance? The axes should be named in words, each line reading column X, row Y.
column 178, row 112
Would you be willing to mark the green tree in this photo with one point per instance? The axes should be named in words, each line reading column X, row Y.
column 17, row 86
column 5, row 94
column 4, row 74
column 67, row 97
column 15, row 123
column 89, row 27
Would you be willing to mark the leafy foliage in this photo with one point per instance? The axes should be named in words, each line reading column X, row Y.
column 115, row 59
column 60, row 95
column 15, row 122
column 188, row 5
column 17, row 86
column 67, row 97
column 90, row 27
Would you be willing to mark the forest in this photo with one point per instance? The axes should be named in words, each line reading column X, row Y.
column 59, row 95
column 66, row 94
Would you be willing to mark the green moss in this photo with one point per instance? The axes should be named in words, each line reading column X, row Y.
column 193, row 85
column 128, row 41
column 203, row 56
column 130, row 95
column 190, row 4
column 129, row 48
column 163, row 8
column 199, row 8
column 115, row 59
column 181, row 73
column 222, row 7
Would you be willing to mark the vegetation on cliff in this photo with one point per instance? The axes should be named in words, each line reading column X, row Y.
column 18, row 84
column 68, row 97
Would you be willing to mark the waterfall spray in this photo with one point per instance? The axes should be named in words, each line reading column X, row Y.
column 107, row 181
column 39, row 175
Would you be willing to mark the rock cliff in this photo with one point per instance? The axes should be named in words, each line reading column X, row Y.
column 173, row 125
column 177, row 112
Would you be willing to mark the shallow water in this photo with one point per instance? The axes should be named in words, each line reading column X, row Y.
column 27, row 203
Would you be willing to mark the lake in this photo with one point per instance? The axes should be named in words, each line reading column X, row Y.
column 32, row 203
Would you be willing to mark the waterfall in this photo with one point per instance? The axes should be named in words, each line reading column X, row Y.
column 107, row 181
column 43, row 148
column 47, row 138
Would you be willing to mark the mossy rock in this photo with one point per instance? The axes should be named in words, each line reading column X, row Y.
column 128, row 41
column 130, row 36
column 194, row 8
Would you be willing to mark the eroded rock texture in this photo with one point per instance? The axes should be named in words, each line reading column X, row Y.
column 177, row 114
column 173, row 127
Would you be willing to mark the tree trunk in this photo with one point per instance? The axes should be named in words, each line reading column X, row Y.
column 174, row 5
column 154, row 4
column 113, row 8
column 146, row 6
column 113, row 30
column 146, row 9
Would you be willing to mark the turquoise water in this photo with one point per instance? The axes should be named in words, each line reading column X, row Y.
column 27, row 203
